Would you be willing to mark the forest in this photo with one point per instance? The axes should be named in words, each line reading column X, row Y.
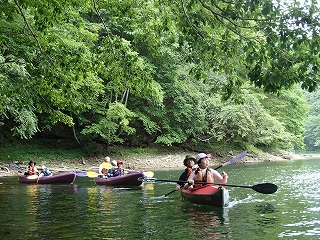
column 243, row 73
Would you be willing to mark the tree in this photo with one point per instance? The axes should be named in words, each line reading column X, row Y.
column 312, row 125
column 149, row 71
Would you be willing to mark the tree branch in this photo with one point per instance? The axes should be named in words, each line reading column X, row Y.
column 28, row 25
column 188, row 19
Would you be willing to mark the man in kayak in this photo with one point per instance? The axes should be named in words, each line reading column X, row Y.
column 205, row 174
column 104, row 167
column 189, row 162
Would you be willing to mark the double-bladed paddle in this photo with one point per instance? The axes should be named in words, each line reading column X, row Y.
column 95, row 174
column 231, row 161
column 266, row 188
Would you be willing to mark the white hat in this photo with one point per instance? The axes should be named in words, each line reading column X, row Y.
column 203, row 155
column 43, row 167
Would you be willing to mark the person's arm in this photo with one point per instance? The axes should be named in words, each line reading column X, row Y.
column 190, row 180
column 182, row 177
column 116, row 172
column 223, row 177
column 100, row 169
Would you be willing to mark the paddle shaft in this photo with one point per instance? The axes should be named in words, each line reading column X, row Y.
column 170, row 192
column 266, row 188
column 91, row 174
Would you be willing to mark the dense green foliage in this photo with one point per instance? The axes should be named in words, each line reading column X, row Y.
column 168, row 72
column 312, row 125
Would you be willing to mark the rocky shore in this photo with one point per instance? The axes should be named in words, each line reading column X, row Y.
column 151, row 163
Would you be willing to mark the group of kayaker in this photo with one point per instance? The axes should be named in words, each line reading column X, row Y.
column 33, row 170
column 106, row 169
column 111, row 169
column 198, row 172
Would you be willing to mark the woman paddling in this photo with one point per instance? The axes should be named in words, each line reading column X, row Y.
column 205, row 174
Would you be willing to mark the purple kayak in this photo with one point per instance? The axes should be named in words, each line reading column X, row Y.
column 130, row 179
column 59, row 178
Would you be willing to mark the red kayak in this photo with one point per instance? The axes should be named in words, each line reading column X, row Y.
column 210, row 194
column 130, row 179
column 59, row 178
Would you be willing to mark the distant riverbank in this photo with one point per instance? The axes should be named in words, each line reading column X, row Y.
column 146, row 162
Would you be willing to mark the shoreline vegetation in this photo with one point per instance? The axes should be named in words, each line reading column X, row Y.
column 144, row 162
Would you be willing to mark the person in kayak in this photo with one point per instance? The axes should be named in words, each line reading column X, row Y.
column 204, row 174
column 189, row 162
column 104, row 167
column 45, row 172
column 113, row 167
column 32, row 169
column 119, row 171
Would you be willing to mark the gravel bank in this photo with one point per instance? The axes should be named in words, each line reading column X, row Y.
column 151, row 163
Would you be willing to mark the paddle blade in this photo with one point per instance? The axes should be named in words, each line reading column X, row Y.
column 35, row 176
column 148, row 180
column 92, row 174
column 148, row 174
column 235, row 159
column 266, row 188
column 81, row 173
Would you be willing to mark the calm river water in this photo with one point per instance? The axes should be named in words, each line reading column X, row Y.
column 84, row 210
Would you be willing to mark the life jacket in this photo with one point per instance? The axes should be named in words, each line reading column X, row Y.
column 31, row 170
column 188, row 171
column 200, row 178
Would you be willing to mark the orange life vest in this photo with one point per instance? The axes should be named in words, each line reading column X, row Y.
column 189, row 171
column 200, row 178
column 31, row 170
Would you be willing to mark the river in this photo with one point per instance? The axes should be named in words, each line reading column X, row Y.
column 84, row 210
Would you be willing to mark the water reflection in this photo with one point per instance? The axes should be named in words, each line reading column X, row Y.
column 85, row 210
column 206, row 220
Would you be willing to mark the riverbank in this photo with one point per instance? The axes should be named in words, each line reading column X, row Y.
column 146, row 162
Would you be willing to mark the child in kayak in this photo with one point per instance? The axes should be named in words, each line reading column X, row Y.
column 189, row 162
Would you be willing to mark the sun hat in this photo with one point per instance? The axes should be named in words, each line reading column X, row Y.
column 202, row 155
column 43, row 167
column 107, row 159
column 188, row 157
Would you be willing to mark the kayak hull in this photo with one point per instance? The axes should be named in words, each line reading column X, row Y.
column 131, row 179
column 210, row 194
column 59, row 178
